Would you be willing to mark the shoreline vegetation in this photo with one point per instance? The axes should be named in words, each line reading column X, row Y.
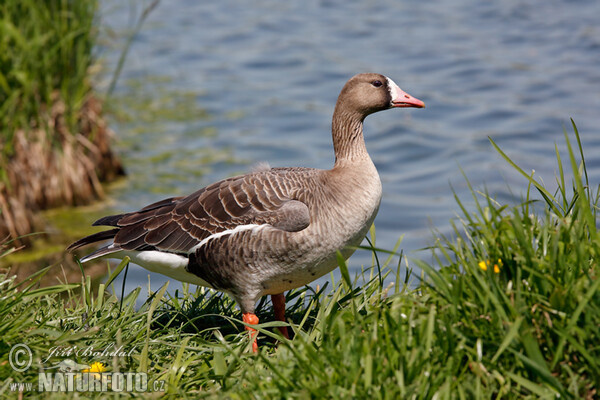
column 509, row 307
column 55, row 146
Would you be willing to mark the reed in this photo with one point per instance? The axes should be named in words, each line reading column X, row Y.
column 55, row 146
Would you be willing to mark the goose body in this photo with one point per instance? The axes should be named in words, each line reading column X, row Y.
column 271, row 230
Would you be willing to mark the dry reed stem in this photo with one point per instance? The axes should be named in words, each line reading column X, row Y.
column 55, row 167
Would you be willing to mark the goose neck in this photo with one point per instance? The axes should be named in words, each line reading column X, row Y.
column 348, row 140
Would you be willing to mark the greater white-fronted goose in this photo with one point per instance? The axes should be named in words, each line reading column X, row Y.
column 270, row 230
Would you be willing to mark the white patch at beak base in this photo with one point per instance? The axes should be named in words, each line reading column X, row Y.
column 401, row 99
column 394, row 89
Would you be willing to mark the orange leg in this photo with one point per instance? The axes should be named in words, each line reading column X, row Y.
column 279, row 309
column 252, row 319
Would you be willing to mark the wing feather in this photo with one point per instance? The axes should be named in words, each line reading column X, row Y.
column 178, row 224
column 158, row 234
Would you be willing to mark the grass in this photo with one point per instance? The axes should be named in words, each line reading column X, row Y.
column 54, row 145
column 45, row 54
column 523, row 325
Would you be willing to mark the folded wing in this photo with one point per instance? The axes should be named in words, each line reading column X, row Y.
column 180, row 224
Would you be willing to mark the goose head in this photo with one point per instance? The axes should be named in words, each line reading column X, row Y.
column 369, row 93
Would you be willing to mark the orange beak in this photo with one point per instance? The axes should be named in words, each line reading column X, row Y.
column 401, row 99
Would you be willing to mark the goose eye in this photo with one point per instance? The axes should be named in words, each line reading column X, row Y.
column 376, row 83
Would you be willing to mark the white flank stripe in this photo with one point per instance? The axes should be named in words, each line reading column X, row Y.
column 235, row 230
column 161, row 259
column 168, row 264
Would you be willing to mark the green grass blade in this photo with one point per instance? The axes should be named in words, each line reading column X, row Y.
column 144, row 361
column 548, row 197
column 50, row 290
column 511, row 335
column 117, row 271
column 344, row 269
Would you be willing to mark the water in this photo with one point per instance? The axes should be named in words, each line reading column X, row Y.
column 259, row 83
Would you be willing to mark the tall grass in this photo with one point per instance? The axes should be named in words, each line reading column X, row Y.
column 523, row 283
column 54, row 145
column 45, row 54
column 509, row 309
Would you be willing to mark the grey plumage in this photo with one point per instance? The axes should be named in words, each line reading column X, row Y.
column 272, row 229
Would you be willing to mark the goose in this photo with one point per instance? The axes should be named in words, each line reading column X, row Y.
column 270, row 230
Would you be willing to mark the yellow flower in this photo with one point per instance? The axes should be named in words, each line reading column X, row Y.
column 497, row 266
column 484, row 265
column 96, row 367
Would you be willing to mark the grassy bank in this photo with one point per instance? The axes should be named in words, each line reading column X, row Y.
column 510, row 309
column 54, row 144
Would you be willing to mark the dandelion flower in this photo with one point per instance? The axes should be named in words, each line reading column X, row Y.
column 96, row 367
column 497, row 266
column 484, row 265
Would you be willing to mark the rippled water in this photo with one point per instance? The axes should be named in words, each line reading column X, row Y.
column 264, row 80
